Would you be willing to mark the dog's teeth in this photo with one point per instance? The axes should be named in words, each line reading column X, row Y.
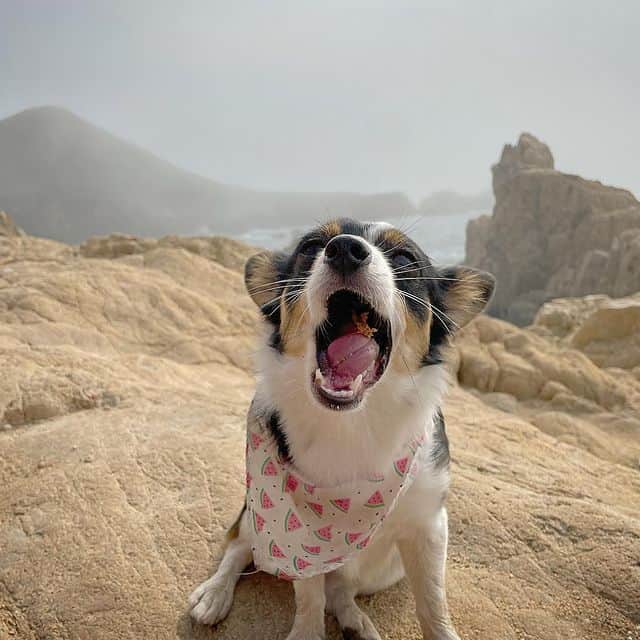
column 338, row 393
column 356, row 384
column 319, row 377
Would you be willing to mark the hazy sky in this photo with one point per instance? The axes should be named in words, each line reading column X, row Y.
column 320, row 96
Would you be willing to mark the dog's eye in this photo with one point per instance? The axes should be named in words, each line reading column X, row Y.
column 311, row 247
column 402, row 259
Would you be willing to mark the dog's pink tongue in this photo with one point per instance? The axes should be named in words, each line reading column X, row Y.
column 350, row 355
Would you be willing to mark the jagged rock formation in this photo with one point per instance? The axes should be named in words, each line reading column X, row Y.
column 8, row 227
column 553, row 235
column 126, row 379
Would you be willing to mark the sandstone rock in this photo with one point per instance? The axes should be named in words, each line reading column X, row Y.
column 126, row 379
column 561, row 366
column 553, row 234
column 529, row 153
column 606, row 330
column 8, row 227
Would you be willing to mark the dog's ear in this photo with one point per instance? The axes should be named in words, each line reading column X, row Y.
column 261, row 276
column 465, row 292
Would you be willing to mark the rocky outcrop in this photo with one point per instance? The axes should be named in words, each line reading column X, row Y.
column 8, row 227
column 553, row 234
column 606, row 330
column 126, row 379
column 565, row 373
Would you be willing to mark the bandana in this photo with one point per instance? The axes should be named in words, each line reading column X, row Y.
column 299, row 529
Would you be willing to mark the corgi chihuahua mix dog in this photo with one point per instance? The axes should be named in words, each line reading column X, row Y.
column 347, row 454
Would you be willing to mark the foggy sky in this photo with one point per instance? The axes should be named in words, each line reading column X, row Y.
column 317, row 96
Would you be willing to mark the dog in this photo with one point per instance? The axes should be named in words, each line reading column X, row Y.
column 346, row 429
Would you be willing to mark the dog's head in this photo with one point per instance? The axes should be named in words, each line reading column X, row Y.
column 357, row 303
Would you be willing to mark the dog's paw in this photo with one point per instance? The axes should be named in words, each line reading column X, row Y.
column 360, row 628
column 355, row 624
column 211, row 601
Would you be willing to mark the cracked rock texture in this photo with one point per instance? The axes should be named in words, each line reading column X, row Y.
column 125, row 383
column 553, row 234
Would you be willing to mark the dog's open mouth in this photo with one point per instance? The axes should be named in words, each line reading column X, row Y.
column 352, row 349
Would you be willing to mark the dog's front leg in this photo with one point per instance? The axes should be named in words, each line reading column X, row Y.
column 310, row 603
column 424, row 557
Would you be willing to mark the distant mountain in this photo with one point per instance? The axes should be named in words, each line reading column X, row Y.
column 64, row 178
column 444, row 202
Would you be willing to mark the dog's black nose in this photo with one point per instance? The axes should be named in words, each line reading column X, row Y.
column 347, row 254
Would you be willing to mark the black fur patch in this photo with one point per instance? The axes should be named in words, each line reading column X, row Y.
column 275, row 428
column 350, row 634
column 440, row 449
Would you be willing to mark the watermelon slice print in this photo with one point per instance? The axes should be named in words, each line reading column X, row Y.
column 300, row 563
column 341, row 503
column 255, row 440
column 275, row 551
column 376, row 477
column 401, row 466
column 290, row 483
column 269, row 468
column 284, row 576
column 309, row 488
column 351, row 536
column 291, row 521
column 324, row 533
column 335, row 560
column 316, row 507
column 311, row 550
column 375, row 501
column 258, row 522
column 265, row 500
column 364, row 543
column 248, row 479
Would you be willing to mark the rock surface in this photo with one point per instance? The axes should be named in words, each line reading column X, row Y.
column 553, row 234
column 122, row 404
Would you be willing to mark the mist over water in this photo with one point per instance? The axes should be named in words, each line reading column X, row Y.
column 440, row 236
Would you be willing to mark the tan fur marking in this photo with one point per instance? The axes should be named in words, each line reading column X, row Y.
column 414, row 344
column 394, row 237
column 260, row 276
column 293, row 323
column 331, row 228
column 234, row 529
column 467, row 296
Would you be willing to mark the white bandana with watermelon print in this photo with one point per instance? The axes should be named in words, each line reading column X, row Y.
column 299, row 530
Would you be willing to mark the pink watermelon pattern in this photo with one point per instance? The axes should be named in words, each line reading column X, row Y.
column 290, row 483
column 313, row 550
column 269, row 468
column 255, row 440
column 291, row 522
column 364, row 543
column 341, row 503
column 265, row 500
column 316, row 507
column 324, row 533
column 300, row 563
column 258, row 522
column 300, row 529
column 351, row 537
column 275, row 551
column 400, row 466
column 375, row 501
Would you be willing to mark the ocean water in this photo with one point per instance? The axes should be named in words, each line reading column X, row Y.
column 440, row 236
